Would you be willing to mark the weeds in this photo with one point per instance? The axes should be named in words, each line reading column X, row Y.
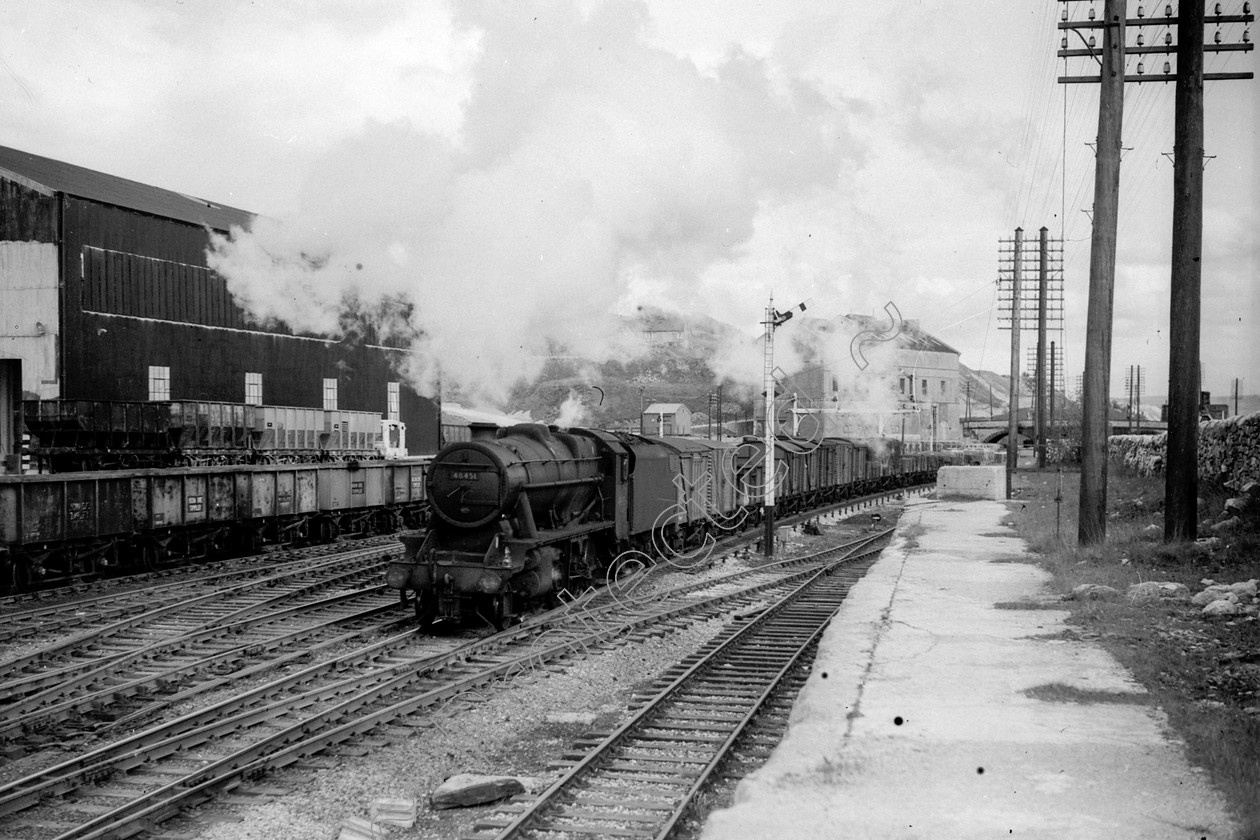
column 1060, row 693
column 911, row 533
column 1204, row 674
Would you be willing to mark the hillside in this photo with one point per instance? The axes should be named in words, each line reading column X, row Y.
column 672, row 368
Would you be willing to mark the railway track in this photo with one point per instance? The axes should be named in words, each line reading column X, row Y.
column 215, row 606
column 640, row 780
column 127, row 689
column 120, row 675
column 140, row 781
column 48, row 611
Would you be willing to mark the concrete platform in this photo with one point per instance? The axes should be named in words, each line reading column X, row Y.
column 932, row 713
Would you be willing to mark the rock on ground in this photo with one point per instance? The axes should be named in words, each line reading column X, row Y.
column 1095, row 592
column 1222, row 607
column 466, row 789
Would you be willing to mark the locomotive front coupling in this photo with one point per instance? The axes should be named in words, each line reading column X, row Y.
column 504, row 567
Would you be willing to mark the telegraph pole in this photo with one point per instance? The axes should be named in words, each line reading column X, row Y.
column 1035, row 304
column 1133, row 381
column 1138, row 394
column 1012, row 419
column 1043, row 292
column 1053, row 380
column 1092, row 520
column 1181, row 473
column 721, row 418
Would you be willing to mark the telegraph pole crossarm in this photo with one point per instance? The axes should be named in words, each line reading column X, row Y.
column 1167, row 48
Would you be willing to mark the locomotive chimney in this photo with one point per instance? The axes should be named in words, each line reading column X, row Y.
column 482, row 431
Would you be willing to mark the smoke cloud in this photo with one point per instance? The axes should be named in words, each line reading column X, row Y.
column 573, row 412
column 592, row 171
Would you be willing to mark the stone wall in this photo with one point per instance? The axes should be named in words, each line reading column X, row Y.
column 1229, row 451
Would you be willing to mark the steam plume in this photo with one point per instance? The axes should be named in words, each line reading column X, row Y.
column 592, row 170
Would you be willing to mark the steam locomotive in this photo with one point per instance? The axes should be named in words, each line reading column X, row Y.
column 522, row 513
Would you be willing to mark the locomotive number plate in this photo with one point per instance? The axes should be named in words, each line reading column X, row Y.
column 465, row 475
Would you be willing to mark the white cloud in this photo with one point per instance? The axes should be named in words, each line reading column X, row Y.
column 715, row 152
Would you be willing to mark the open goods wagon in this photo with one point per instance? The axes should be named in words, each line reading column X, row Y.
column 67, row 525
column 74, row 435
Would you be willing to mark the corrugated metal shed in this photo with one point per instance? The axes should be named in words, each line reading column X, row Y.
column 58, row 176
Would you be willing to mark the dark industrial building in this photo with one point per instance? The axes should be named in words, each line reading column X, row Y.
column 105, row 294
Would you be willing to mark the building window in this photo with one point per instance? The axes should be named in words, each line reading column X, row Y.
column 903, row 384
column 159, row 383
column 923, row 387
column 253, row 389
column 393, row 400
column 944, row 387
column 330, row 394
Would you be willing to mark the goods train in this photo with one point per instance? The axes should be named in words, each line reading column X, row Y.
column 71, row 435
column 203, row 479
column 521, row 513
column 71, row 525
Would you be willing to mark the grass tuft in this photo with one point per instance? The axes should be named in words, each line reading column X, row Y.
column 1199, row 671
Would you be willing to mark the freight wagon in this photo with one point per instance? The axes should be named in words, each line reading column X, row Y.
column 74, row 435
column 71, row 525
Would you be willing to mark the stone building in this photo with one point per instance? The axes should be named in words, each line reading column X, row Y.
column 907, row 387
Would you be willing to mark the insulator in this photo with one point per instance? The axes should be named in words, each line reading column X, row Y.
column 1141, row 68
column 1247, row 8
column 1167, row 68
column 1218, row 8
column 1247, row 36
column 1168, row 10
column 1217, row 36
column 1091, row 12
column 1064, row 15
column 1141, row 12
column 1064, row 42
column 1141, row 39
column 1167, row 37
column 1091, row 42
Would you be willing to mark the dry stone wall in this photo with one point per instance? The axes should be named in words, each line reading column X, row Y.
column 1229, row 451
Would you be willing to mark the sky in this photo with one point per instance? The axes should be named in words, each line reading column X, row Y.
column 516, row 174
